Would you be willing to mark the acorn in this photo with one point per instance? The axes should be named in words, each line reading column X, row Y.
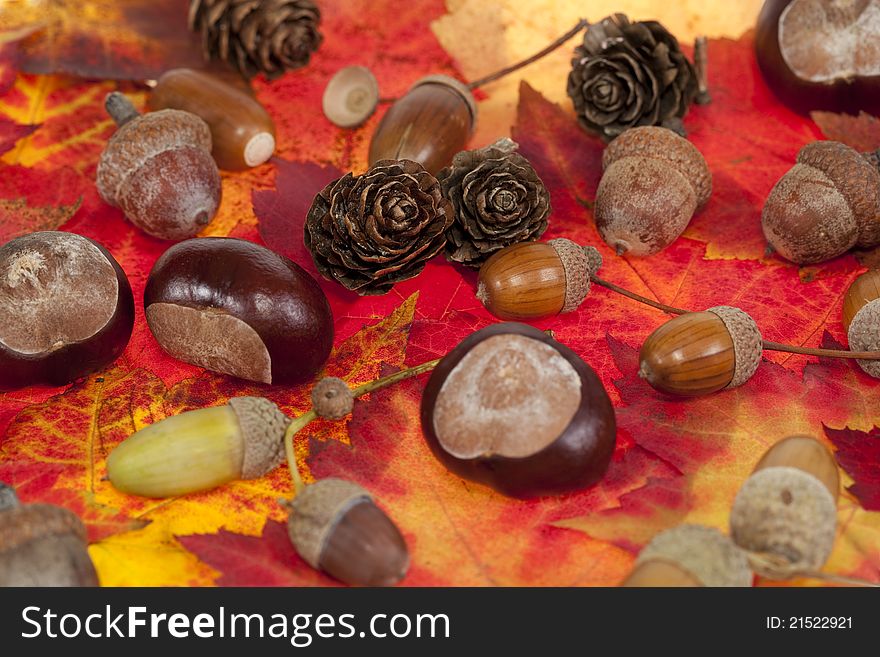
column 531, row 280
column 430, row 124
column 821, row 54
column 690, row 556
column 158, row 169
column 242, row 132
column 66, row 309
column 235, row 307
column 787, row 509
column 653, row 182
column 351, row 96
column 42, row 545
column 825, row 205
column 702, row 352
column 512, row 408
column 332, row 399
column 199, row 450
column 336, row 527
column 861, row 318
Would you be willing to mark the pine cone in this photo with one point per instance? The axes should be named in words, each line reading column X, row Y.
column 371, row 231
column 269, row 36
column 630, row 74
column 498, row 200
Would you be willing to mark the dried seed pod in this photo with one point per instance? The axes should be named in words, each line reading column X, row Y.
column 336, row 527
column 513, row 409
column 429, row 125
column 787, row 509
column 825, row 205
column 861, row 318
column 700, row 353
column 652, row 184
column 532, row 280
column 690, row 555
column 332, row 399
column 200, row 449
column 43, row 545
column 351, row 96
column 66, row 309
column 236, row 307
column 158, row 169
column 242, row 132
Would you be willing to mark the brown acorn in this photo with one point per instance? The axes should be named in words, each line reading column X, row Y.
column 828, row 203
column 532, row 280
column 428, row 125
column 690, row 556
column 336, row 527
column 652, row 184
column 861, row 318
column 66, row 309
column 786, row 512
column 42, row 545
column 158, row 169
column 512, row 408
column 236, row 307
column 703, row 352
column 242, row 132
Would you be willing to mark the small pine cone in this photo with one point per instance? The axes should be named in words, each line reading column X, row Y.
column 498, row 200
column 253, row 36
column 630, row 74
column 371, row 231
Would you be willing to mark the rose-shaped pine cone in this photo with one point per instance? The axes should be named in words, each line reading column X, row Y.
column 371, row 231
column 630, row 74
column 253, row 36
column 498, row 200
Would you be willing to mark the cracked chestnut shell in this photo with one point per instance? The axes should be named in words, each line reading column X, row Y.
column 66, row 309
column 512, row 408
column 235, row 307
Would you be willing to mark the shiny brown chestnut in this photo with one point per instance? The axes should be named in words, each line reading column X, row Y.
column 512, row 408
column 821, row 54
column 236, row 307
column 66, row 309
column 429, row 125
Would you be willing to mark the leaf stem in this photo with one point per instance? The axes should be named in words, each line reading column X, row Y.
column 638, row 297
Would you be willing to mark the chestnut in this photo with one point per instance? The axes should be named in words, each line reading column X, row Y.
column 66, row 309
column 821, row 54
column 512, row 408
column 236, row 307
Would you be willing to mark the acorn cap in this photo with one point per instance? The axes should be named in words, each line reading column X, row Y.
column 460, row 88
column 663, row 144
column 703, row 552
column 748, row 345
column 855, row 177
column 579, row 263
column 332, row 399
column 864, row 335
column 25, row 523
column 316, row 510
column 788, row 513
column 262, row 433
column 141, row 139
column 351, row 96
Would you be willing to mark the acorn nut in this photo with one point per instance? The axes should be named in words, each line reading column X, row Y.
column 531, row 280
column 700, row 353
column 336, row 527
column 42, row 545
column 861, row 318
column 235, row 307
column 687, row 556
column 511, row 408
column 652, row 184
column 66, row 309
column 242, row 132
column 787, row 509
column 199, row 450
column 825, row 205
column 158, row 169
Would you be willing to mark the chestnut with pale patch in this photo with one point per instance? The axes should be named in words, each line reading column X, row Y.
column 66, row 309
